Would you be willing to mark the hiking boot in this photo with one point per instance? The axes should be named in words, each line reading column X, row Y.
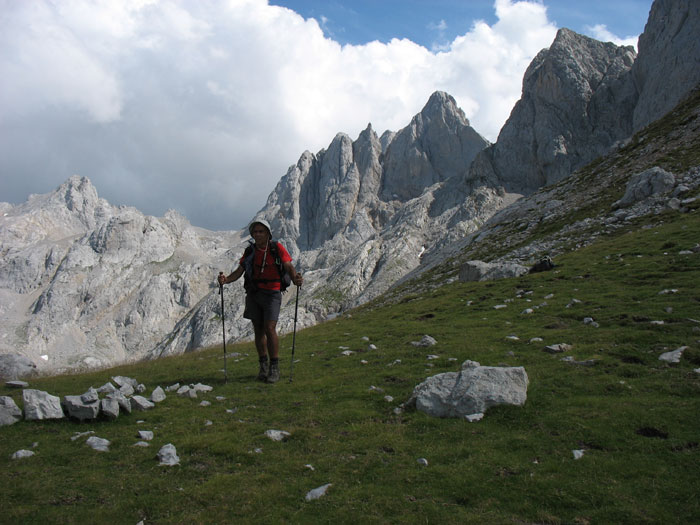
column 262, row 373
column 274, row 374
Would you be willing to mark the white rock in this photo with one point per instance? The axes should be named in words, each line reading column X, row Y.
column 145, row 435
column 167, row 455
column 472, row 418
column 157, row 395
column 674, row 356
column 317, row 492
column 578, row 454
column 20, row 454
column 277, row 435
column 423, row 462
column 99, row 444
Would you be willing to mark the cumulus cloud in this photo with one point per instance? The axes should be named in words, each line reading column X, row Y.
column 600, row 32
column 202, row 106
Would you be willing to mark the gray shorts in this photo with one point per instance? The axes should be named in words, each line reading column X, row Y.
column 263, row 305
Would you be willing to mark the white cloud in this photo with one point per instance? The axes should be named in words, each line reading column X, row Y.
column 202, row 106
column 600, row 32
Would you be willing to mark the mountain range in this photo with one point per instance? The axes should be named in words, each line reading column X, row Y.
column 87, row 284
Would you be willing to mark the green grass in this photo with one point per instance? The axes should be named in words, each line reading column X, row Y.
column 515, row 466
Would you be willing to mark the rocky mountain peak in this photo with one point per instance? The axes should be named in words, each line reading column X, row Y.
column 439, row 143
column 564, row 118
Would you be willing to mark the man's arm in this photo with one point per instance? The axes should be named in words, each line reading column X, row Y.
column 296, row 277
column 233, row 276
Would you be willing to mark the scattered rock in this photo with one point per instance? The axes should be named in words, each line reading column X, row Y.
column 141, row 403
column 40, row 405
column 558, row 348
column 674, row 356
column 277, row 435
column 482, row 271
column 9, row 411
column 422, row 462
column 473, row 418
column 145, row 435
column 20, row 454
column 75, row 407
column 158, row 395
column 426, row 340
column 17, row 384
column 578, row 454
column 99, row 444
column 318, row 492
column 16, row 366
column 472, row 390
column 167, row 455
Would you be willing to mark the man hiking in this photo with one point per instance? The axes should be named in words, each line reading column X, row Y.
column 265, row 264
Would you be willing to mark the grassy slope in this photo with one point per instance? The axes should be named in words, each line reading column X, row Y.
column 635, row 416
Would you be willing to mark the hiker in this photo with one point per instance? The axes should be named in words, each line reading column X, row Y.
column 264, row 265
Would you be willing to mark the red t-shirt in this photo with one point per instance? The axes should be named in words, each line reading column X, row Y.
column 269, row 274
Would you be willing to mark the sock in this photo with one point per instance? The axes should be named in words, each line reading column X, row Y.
column 262, row 359
column 274, row 360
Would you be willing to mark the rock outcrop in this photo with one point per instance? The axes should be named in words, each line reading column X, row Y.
column 565, row 117
column 668, row 67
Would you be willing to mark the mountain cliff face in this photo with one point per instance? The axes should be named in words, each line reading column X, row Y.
column 83, row 283
column 669, row 59
column 577, row 102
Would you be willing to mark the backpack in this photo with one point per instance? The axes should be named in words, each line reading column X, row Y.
column 248, row 260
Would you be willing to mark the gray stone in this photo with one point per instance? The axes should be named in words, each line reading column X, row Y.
column 483, row 271
column 145, row 435
column 40, row 405
column 674, row 356
column 17, row 384
column 141, row 403
column 127, row 390
column 472, row 390
column 167, row 455
column 106, row 388
column 9, row 411
column 122, row 400
column 76, row 408
column 120, row 381
column 425, row 341
column 641, row 186
column 558, row 348
column 99, row 444
column 318, row 492
column 157, row 395
column 91, row 396
column 20, row 454
column 109, row 408
column 15, row 366
column 277, row 435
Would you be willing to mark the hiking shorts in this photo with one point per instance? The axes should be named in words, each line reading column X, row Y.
column 263, row 305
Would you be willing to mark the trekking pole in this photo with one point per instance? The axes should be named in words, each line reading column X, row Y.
column 294, row 337
column 223, row 326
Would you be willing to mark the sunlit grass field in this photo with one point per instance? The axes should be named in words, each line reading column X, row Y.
column 634, row 416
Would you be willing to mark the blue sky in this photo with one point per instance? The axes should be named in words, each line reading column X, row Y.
column 435, row 23
column 202, row 107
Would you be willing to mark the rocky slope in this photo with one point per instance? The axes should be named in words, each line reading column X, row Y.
column 84, row 283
